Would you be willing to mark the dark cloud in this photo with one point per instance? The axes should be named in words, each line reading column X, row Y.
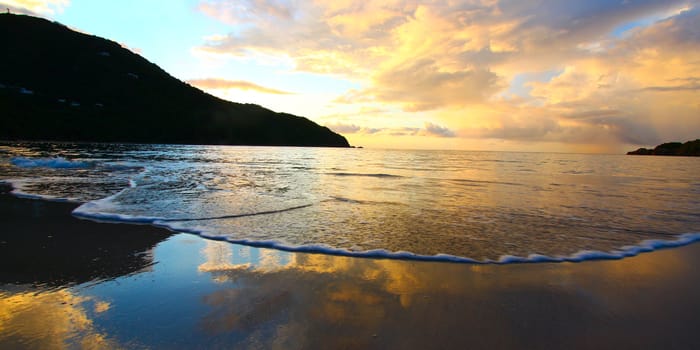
column 688, row 87
column 627, row 129
column 570, row 23
column 592, row 114
column 531, row 129
column 353, row 129
column 437, row 130
column 344, row 128
column 430, row 129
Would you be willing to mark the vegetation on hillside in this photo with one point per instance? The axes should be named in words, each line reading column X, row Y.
column 690, row 148
column 59, row 84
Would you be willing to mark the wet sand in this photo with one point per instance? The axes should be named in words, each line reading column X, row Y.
column 66, row 282
column 42, row 243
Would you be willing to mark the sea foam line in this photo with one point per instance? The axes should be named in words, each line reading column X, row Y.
column 18, row 184
column 83, row 213
column 54, row 162
column 167, row 223
column 581, row 256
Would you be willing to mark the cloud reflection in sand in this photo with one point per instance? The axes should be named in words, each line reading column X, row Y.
column 52, row 319
column 288, row 300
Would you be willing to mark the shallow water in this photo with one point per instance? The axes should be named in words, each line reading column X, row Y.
column 438, row 205
column 215, row 295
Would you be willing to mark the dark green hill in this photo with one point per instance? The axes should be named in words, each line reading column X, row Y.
column 690, row 148
column 58, row 84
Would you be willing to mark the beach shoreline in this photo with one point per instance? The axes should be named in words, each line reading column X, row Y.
column 151, row 288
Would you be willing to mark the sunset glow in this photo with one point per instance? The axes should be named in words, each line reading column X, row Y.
column 566, row 76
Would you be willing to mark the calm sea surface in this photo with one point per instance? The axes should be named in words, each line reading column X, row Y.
column 441, row 205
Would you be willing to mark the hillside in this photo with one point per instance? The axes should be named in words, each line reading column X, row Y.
column 58, row 84
column 690, row 148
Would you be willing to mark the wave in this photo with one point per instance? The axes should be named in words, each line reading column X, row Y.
column 94, row 211
column 233, row 216
column 471, row 182
column 627, row 251
column 586, row 255
column 55, row 163
column 379, row 175
column 84, row 212
column 581, row 256
column 17, row 186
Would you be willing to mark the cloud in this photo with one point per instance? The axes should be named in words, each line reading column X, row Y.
column 421, row 86
column 437, row 130
column 35, row 7
column 618, row 61
column 429, row 129
column 245, row 11
column 344, row 128
column 689, row 87
column 223, row 84
column 689, row 84
column 355, row 129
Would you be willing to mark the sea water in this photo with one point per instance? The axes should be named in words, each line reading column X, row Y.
column 479, row 207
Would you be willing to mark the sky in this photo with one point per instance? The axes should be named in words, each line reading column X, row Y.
column 595, row 76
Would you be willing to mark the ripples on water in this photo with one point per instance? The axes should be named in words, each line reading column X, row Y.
column 476, row 205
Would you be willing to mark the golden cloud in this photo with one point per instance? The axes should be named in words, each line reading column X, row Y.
column 223, row 84
column 36, row 7
column 464, row 62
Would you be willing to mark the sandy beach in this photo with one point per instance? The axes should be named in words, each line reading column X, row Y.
column 66, row 282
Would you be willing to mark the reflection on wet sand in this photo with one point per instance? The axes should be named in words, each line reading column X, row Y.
column 188, row 292
column 54, row 319
column 312, row 300
column 43, row 252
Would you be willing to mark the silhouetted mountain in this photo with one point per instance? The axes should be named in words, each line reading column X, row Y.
column 58, row 84
column 690, row 148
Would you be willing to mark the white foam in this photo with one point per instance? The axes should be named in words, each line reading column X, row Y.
column 55, row 162
column 627, row 251
column 118, row 218
column 645, row 246
column 102, row 210
column 581, row 256
column 18, row 186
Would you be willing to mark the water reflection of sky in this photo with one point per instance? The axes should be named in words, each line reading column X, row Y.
column 214, row 294
column 477, row 205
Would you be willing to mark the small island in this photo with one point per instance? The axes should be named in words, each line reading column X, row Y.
column 688, row 149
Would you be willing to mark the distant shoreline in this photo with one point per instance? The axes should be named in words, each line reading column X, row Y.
column 688, row 149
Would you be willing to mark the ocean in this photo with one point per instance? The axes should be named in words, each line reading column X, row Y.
column 458, row 206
